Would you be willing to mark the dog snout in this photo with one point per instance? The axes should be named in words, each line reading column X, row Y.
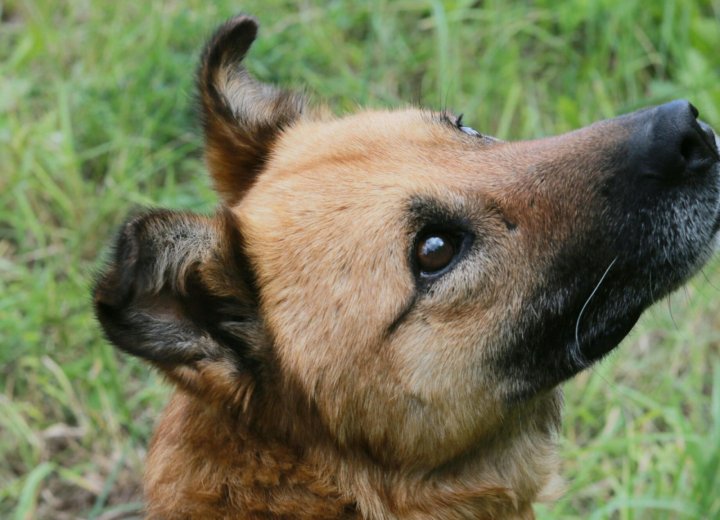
column 671, row 144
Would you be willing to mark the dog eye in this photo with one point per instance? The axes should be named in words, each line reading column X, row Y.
column 435, row 251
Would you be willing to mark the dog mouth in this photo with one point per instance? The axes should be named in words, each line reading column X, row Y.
column 586, row 307
column 633, row 282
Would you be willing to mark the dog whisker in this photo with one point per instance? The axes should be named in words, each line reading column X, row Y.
column 669, row 306
column 576, row 352
column 708, row 280
column 650, row 283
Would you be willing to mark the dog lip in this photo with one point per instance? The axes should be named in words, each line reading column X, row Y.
column 560, row 366
column 608, row 338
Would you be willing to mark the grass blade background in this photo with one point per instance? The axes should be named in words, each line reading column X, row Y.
column 97, row 118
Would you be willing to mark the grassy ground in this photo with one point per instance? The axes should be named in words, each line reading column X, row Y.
column 96, row 118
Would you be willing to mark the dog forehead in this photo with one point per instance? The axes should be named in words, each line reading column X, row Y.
column 380, row 147
column 377, row 128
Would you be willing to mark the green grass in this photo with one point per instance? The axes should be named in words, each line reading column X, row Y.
column 96, row 118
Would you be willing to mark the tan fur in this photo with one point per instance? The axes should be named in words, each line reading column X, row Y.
column 317, row 376
column 205, row 464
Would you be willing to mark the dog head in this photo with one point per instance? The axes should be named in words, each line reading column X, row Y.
column 397, row 282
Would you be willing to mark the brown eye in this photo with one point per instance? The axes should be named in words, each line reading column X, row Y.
column 434, row 252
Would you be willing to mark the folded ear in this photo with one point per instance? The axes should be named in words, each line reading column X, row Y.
column 242, row 117
column 179, row 292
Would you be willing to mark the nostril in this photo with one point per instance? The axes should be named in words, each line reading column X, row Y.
column 687, row 148
column 698, row 149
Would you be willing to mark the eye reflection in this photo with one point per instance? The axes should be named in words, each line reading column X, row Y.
column 435, row 252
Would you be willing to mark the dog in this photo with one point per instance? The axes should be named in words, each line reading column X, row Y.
column 376, row 321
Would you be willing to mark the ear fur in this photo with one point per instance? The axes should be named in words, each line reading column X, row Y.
column 179, row 292
column 242, row 117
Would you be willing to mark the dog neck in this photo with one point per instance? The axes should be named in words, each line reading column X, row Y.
column 202, row 464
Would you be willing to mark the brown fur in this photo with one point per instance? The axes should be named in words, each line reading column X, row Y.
column 317, row 376
column 240, row 114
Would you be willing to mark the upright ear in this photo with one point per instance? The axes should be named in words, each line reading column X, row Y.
column 179, row 293
column 242, row 117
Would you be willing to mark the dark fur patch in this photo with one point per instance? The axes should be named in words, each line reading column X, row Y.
column 157, row 298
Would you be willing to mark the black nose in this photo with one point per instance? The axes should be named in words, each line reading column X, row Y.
column 670, row 143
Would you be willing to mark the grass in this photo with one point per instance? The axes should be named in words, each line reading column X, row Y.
column 96, row 118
